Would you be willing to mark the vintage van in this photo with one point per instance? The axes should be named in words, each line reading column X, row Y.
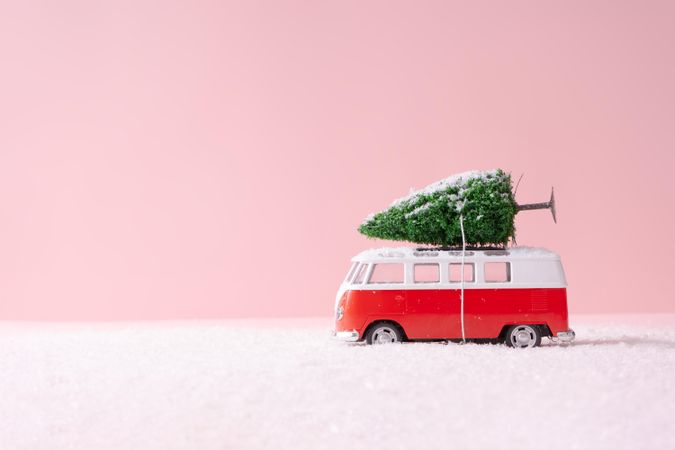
column 515, row 295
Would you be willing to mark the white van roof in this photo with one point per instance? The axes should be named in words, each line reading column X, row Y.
column 411, row 253
column 533, row 267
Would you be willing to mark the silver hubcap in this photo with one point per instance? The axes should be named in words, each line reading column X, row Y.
column 384, row 335
column 523, row 336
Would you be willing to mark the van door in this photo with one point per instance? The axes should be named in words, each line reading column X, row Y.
column 431, row 310
column 432, row 314
column 458, row 274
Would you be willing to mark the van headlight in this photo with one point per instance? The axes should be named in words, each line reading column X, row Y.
column 339, row 313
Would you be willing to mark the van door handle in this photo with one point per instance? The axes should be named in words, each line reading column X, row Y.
column 398, row 297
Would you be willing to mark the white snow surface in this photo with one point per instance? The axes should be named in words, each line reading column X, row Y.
column 453, row 180
column 287, row 385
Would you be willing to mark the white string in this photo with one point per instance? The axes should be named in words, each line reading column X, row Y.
column 461, row 225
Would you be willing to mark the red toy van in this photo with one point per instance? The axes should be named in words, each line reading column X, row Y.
column 516, row 295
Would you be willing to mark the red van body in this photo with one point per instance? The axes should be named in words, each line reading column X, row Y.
column 419, row 293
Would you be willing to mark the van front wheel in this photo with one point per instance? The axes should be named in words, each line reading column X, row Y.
column 384, row 333
column 523, row 336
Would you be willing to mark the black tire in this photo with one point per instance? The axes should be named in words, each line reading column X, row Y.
column 384, row 333
column 523, row 336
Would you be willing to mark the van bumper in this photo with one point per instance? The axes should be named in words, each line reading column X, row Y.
column 565, row 336
column 346, row 336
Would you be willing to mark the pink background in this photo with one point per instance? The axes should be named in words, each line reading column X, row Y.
column 163, row 160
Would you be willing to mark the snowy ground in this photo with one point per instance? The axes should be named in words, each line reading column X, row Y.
column 285, row 385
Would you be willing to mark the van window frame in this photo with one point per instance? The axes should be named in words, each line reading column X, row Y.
column 379, row 283
column 509, row 272
column 438, row 266
column 466, row 263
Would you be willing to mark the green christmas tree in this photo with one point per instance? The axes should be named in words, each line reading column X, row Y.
column 483, row 199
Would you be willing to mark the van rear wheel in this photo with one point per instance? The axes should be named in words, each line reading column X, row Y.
column 384, row 333
column 523, row 336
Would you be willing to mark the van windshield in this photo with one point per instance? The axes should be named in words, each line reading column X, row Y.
column 351, row 271
column 360, row 273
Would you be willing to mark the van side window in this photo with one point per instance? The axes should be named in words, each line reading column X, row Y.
column 387, row 273
column 455, row 273
column 497, row 272
column 360, row 274
column 426, row 273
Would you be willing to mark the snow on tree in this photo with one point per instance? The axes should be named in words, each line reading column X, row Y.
column 431, row 215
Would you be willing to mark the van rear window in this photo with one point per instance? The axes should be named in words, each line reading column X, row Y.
column 387, row 273
column 497, row 272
